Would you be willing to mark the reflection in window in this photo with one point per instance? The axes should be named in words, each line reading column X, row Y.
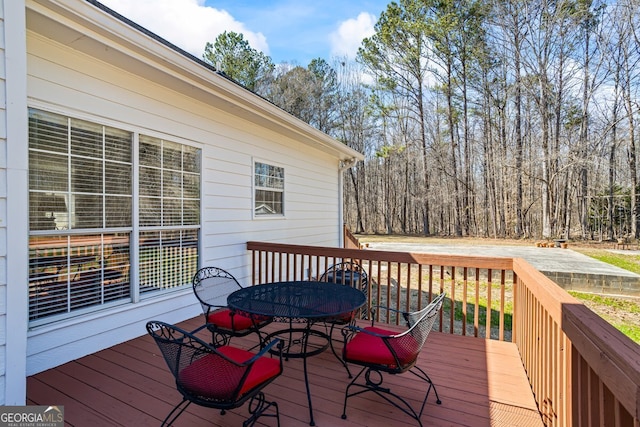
column 68, row 273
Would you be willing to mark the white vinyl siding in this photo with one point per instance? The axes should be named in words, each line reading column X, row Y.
column 166, row 96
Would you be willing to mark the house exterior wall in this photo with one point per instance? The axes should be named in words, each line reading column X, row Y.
column 67, row 81
column 13, row 185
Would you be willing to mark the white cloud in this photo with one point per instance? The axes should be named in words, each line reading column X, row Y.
column 346, row 40
column 188, row 24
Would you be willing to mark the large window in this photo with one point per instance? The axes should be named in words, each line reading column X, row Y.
column 269, row 190
column 81, row 214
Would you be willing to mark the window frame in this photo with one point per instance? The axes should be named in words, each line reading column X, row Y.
column 133, row 231
column 255, row 188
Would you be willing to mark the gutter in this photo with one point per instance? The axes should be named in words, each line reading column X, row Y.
column 343, row 166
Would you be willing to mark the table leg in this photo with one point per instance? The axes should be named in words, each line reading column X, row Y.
column 307, row 348
column 306, row 377
column 335, row 353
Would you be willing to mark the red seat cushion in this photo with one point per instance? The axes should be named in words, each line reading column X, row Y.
column 216, row 378
column 222, row 318
column 371, row 350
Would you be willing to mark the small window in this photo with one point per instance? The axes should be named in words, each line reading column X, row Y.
column 269, row 190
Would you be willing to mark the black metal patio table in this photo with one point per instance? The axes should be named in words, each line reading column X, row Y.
column 304, row 302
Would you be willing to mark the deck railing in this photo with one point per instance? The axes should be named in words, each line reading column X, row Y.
column 350, row 241
column 582, row 371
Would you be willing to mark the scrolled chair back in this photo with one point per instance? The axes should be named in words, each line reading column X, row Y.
column 408, row 345
column 210, row 283
column 349, row 273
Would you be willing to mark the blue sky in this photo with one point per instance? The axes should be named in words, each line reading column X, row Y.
column 294, row 31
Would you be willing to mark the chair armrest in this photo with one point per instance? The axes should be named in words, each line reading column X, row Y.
column 350, row 330
column 383, row 307
column 198, row 329
column 265, row 350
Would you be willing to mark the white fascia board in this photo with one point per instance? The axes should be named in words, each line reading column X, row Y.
column 89, row 29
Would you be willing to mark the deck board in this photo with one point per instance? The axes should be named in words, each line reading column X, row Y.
column 480, row 382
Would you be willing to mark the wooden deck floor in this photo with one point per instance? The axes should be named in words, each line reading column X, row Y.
column 481, row 383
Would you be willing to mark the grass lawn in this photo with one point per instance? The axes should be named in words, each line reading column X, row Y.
column 623, row 314
column 629, row 262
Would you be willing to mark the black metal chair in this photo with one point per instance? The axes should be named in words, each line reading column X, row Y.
column 380, row 351
column 216, row 377
column 348, row 273
column 209, row 285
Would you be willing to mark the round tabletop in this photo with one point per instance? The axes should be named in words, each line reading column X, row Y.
column 297, row 300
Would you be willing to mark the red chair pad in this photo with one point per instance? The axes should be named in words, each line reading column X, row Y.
column 215, row 378
column 223, row 319
column 372, row 350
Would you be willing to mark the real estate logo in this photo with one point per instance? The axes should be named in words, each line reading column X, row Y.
column 31, row 416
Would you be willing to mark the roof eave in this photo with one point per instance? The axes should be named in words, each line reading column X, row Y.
column 94, row 29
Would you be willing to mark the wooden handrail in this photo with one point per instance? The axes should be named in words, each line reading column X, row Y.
column 396, row 276
column 581, row 369
column 574, row 354
column 350, row 241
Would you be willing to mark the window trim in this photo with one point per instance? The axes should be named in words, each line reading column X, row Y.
column 134, row 230
column 254, row 188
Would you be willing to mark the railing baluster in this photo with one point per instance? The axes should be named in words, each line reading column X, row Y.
column 464, row 300
column 419, row 267
column 388, row 300
column 476, row 311
column 378, row 290
column 487, row 332
column 452, row 312
column 441, row 328
column 501, row 314
column 430, row 282
column 398, row 276
column 408, row 286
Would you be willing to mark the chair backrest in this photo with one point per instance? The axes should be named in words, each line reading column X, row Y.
column 211, row 284
column 202, row 374
column 408, row 344
column 347, row 273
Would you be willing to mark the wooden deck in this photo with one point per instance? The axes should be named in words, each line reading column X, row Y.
column 480, row 382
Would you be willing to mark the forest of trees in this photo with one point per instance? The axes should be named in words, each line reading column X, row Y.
column 501, row 118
